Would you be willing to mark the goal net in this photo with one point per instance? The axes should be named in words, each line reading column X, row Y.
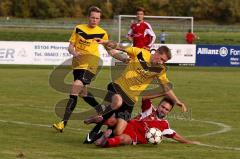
column 174, row 27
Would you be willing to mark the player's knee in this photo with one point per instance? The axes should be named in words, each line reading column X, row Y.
column 118, row 132
column 116, row 101
column 121, row 125
column 77, row 87
column 112, row 121
column 83, row 92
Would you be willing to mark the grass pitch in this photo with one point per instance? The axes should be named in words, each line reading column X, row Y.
column 27, row 111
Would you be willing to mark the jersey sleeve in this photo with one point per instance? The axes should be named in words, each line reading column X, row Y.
column 146, row 104
column 105, row 37
column 73, row 36
column 168, row 132
column 129, row 32
column 132, row 51
column 162, row 78
column 150, row 32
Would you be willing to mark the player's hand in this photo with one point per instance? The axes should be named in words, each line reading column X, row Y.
column 130, row 38
column 100, row 41
column 126, row 60
column 76, row 54
column 182, row 105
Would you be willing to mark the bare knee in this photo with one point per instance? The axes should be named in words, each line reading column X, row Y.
column 77, row 87
column 112, row 121
column 116, row 101
column 120, row 127
column 83, row 92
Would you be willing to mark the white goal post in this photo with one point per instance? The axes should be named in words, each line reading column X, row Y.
column 121, row 17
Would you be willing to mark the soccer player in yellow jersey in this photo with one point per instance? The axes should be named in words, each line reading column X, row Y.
column 141, row 70
column 84, row 48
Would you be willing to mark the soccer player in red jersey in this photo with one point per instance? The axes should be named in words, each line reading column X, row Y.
column 137, row 127
column 141, row 33
column 190, row 37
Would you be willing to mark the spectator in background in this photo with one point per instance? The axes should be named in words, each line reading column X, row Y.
column 190, row 37
column 163, row 37
column 141, row 33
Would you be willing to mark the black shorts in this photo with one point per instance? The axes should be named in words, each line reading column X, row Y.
column 125, row 111
column 83, row 75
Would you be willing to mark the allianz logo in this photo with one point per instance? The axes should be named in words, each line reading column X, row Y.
column 223, row 51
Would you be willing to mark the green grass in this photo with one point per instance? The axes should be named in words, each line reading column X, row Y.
column 61, row 35
column 212, row 94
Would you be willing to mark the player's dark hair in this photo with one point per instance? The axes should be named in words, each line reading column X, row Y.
column 165, row 50
column 140, row 9
column 168, row 100
column 94, row 9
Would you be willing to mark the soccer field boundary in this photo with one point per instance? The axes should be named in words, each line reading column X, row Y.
column 39, row 125
column 225, row 128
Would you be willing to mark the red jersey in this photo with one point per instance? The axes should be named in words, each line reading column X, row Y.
column 190, row 37
column 142, row 34
column 138, row 126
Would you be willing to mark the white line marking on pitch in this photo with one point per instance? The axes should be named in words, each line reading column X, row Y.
column 225, row 129
column 38, row 125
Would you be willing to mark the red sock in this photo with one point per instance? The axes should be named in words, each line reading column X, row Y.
column 113, row 142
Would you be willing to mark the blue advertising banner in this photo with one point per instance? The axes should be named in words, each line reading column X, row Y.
column 217, row 55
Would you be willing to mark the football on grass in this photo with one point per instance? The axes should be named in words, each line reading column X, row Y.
column 153, row 136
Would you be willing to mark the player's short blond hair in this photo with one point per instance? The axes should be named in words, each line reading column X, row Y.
column 165, row 50
column 94, row 9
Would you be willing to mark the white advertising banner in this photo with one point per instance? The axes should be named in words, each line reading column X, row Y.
column 41, row 53
column 55, row 53
column 181, row 53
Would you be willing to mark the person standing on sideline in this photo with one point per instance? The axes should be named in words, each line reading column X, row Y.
column 190, row 37
column 163, row 37
column 141, row 33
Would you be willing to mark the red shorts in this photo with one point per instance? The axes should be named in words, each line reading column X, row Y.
column 136, row 136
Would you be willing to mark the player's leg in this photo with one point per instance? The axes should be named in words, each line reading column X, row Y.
column 120, row 126
column 81, row 78
column 122, row 139
column 88, row 97
column 107, row 113
column 123, row 114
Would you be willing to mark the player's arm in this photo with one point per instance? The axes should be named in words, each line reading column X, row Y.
column 129, row 35
column 113, row 49
column 118, row 55
column 181, row 139
column 166, row 87
column 153, row 35
column 71, row 49
column 172, row 95
column 150, row 32
column 152, row 96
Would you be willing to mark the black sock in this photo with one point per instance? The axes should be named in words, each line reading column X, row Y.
column 97, row 127
column 108, row 114
column 72, row 102
column 90, row 100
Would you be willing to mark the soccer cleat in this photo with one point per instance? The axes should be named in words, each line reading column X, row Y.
column 92, row 137
column 59, row 126
column 102, row 141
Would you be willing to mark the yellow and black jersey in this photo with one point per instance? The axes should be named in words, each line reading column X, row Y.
column 83, row 39
column 139, row 73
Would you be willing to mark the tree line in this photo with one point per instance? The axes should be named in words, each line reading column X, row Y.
column 225, row 11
